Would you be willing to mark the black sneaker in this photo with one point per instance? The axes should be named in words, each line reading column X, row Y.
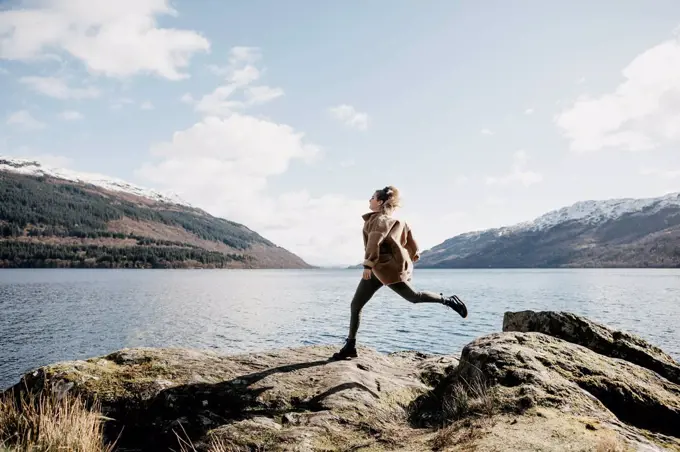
column 456, row 304
column 348, row 351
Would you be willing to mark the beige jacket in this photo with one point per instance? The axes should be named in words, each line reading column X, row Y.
column 389, row 248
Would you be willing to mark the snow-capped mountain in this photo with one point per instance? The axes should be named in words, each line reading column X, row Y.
column 593, row 212
column 35, row 168
column 616, row 232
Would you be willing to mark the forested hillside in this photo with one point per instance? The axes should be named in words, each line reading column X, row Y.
column 48, row 222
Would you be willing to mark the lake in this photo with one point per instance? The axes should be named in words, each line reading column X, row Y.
column 53, row 315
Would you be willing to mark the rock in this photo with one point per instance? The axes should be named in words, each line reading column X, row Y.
column 571, row 385
column 154, row 394
column 596, row 337
column 534, row 375
column 573, row 378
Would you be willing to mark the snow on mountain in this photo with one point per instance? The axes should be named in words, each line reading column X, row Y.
column 593, row 212
column 608, row 233
column 586, row 212
column 35, row 168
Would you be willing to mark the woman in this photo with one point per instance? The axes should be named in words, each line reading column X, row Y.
column 390, row 252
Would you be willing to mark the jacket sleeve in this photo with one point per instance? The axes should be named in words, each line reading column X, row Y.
column 376, row 235
column 412, row 246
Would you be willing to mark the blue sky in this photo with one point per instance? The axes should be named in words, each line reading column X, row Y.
column 287, row 115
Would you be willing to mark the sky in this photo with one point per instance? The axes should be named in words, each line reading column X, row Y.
column 287, row 116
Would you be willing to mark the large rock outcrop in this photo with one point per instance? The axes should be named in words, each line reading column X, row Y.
column 292, row 399
column 596, row 337
column 575, row 391
column 562, row 383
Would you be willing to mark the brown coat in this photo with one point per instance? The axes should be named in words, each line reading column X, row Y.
column 389, row 248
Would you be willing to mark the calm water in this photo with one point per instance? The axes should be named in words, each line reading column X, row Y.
column 53, row 315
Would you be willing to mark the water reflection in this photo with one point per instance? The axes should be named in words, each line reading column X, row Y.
column 52, row 315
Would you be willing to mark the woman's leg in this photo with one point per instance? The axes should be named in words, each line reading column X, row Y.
column 406, row 291
column 365, row 291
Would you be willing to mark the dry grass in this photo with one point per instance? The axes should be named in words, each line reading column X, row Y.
column 459, row 435
column 468, row 398
column 388, row 422
column 610, row 444
column 45, row 424
column 465, row 412
column 215, row 444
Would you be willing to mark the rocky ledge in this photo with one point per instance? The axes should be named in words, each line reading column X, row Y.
column 548, row 382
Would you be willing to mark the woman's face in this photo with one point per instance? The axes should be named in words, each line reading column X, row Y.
column 374, row 204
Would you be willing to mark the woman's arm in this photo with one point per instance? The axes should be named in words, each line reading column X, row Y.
column 411, row 245
column 376, row 234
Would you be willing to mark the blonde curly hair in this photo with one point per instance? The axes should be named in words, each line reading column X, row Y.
column 390, row 198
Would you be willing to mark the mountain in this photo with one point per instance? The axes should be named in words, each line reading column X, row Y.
column 59, row 218
column 610, row 233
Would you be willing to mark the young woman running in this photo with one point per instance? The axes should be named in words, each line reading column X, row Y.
column 389, row 254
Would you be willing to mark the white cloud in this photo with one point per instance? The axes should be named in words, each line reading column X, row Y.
column 58, row 88
column 518, row 173
column 146, row 105
column 324, row 230
column 486, row 132
column 219, row 102
column 3, row 71
column 70, row 115
column 117, row 39
column 348, row 115
column 660, row 173
column 581, row 81
column 240, row 68
column 240, row 75
column 642, row 113
column 241, row 54
column 223, row 165
column 256, row 95
column 240, row 138
column 187, row 98
column 529, row 111
column 24, row 120
column 244, row 76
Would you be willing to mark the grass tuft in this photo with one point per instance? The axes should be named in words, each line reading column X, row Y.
column 467, row 398
column 45, row 424
column 610, row 444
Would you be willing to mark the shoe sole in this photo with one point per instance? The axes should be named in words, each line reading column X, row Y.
column 463, row 307
column 344, row 358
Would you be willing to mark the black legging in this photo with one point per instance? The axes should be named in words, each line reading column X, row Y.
column 368, row 287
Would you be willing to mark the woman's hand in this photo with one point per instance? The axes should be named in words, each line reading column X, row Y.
column 367, row 273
